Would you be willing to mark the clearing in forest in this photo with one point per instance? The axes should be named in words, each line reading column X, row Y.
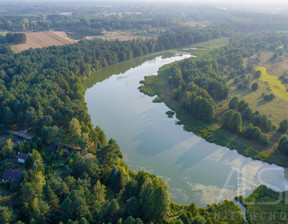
column 275, row 84
column 42, row 39
column 205, row 47
column 117, row 35
column 269, row 82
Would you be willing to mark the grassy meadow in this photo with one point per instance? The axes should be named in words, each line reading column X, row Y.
column 202, row 48
column 268, row 83
column 275, row 84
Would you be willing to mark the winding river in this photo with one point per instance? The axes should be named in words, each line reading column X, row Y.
column 197, row 171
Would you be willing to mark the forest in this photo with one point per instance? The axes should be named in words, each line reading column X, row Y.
column 72, row 173
column 42, row 90
column 202, row 87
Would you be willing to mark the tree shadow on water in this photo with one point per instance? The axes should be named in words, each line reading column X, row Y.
column 156, row 141
column 196, row 153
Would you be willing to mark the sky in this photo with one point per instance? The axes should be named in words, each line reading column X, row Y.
column 230, row 2
column 261, row 2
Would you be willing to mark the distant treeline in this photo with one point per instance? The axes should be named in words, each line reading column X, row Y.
column 147, row 19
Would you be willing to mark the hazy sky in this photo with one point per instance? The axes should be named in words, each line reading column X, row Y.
column 271, row 2
column 211, row 1
column 243, row 2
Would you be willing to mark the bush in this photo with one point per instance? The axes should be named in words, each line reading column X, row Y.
column 283, row 144
column 254, row 86
column 269, row 97
column 232, row 121
column 257, row 74
column 283, row 126
column 251, row 132
column 264, row 140
column 233, row 104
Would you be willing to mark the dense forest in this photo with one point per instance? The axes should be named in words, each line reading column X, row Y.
column 42, row 91
column 99, row 189
column 42, row 88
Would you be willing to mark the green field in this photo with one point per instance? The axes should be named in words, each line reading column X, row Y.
column 275, row 109
column 202, row 48
column 275, row 84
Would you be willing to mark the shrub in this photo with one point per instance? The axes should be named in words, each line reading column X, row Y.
column 254, row 86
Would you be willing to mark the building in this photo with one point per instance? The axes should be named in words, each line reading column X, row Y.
column 11, row 175
column 21, row 157
column 18, row 142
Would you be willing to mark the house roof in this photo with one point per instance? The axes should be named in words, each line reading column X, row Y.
column 18, row 142
column 12, row 175
column 22, row 156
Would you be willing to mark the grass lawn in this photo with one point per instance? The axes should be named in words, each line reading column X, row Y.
column 275, row 84
column 268, row 83
column 276, row 110
column 207, row 46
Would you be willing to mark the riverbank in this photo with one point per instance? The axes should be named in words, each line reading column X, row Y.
column 119, row 68
column 264, row 206
column 155, row 144
column 213, row 133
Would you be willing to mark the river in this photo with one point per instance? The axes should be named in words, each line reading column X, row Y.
column 197, row 171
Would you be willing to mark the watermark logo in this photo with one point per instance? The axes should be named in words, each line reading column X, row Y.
column 268, row 176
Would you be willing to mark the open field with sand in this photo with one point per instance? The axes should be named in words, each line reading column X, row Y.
column 42, row 39
column 116, row 35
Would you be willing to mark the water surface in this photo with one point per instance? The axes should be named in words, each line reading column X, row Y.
column 197, row 171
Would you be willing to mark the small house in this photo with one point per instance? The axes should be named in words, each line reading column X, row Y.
column 11, row 175
column 18, row 142
column 21, row 157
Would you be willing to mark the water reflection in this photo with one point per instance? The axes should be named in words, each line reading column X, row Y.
column 197, row 171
